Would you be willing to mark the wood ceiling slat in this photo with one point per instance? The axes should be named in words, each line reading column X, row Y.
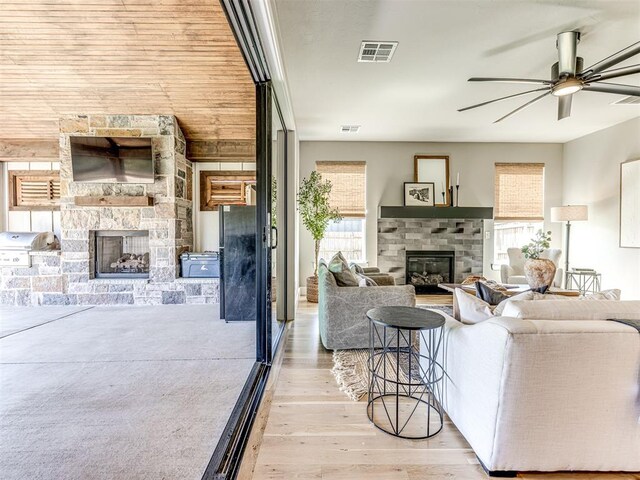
column 122, row 56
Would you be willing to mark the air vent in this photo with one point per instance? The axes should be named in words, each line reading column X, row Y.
column 628, row 101
column 377, row 51
column 349, row 128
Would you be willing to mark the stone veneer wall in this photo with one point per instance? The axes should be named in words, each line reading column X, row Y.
column 397, row 235
column 66, row 277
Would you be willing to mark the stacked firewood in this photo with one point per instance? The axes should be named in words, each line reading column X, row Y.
column 132, row 262
column 426, row 278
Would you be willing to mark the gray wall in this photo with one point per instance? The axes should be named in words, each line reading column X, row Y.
column 389, row 164
column 591, row 176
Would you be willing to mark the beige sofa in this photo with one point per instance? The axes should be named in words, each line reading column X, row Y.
column 549, row 386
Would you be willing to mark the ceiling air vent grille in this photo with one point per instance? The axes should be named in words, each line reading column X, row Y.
column 377, row 51
column 628, row 101
column 349, row 128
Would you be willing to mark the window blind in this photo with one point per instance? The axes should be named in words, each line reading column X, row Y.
column 34, row 190
column 348, row 186
column 519, row 191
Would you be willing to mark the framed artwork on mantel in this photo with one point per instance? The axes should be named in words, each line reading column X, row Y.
column 630, row 204
column 434, row 169
column 419, row 194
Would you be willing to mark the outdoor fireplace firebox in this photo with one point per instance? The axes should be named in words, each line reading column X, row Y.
column 122, row 254
column 427, row 268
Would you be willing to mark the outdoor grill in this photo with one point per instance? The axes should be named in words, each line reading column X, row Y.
column 16, row 246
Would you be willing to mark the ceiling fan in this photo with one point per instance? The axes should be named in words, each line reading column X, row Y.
column 568, row 77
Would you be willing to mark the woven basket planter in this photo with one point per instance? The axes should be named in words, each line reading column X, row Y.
column 312, row 289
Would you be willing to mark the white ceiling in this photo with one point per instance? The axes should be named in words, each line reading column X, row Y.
column 415, row 97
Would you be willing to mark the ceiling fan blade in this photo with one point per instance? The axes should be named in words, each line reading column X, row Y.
column 618, row 72
column 502, row 98
column 613, row 88
column 614, row 59
column 522, row 107
column 567, row 45
column 564, row 106
column 511, row 80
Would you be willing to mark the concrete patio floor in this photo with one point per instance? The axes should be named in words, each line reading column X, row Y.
column 117, row 392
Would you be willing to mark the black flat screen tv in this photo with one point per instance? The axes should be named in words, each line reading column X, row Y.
column 112, row 159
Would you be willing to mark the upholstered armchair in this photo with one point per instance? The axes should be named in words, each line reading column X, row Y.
column 514, row 272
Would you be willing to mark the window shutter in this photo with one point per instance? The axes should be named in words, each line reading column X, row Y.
column 34, row 190
column 519, row 193
column 348, row 186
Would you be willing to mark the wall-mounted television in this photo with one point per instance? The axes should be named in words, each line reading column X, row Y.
column 112, row 159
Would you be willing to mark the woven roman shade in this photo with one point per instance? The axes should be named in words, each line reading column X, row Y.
column 519, row 191
column 348, row 186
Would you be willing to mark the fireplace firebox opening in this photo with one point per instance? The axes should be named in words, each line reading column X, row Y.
column 121, row 254
column 425, row 269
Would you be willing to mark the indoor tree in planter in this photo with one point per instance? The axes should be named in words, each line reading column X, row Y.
column 538, row 271
column 316, row 213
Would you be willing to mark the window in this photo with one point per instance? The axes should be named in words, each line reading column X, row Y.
column 348, row 196
column 226, row 188
column 519, row 206
column 34, row 190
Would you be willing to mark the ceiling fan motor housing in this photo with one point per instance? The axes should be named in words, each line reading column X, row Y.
column 555, row 71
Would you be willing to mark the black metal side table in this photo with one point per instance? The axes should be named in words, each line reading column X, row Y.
column 406, row 369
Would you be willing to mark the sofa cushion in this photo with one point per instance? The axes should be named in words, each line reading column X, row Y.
column 364, row 281
column 613, row 294
column 339, row 267
column 357, row 269
column 573, row 310
column 488, row 294
column 472, row 309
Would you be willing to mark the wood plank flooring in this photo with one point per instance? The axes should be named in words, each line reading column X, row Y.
column 308, row 429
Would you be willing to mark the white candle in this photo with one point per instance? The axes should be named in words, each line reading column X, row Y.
column 458, row 179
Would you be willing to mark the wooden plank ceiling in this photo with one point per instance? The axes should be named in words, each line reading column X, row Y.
column 60, row 57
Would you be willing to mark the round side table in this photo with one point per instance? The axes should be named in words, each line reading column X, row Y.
column 406, row 369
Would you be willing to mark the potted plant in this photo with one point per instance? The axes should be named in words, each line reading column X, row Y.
column 539, row 272
column 316, row 213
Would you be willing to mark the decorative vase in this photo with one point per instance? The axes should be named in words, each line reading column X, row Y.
column 539, row 272
column 312, row 289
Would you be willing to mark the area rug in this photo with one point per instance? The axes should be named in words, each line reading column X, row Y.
column 351, row 369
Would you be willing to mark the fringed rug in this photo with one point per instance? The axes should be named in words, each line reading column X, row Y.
column 351, row 368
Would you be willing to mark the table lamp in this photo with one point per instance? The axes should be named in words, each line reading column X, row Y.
column 569, row 213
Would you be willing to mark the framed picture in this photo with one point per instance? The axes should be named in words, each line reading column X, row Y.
column 630, row 204
column 419, row 194
column 433, row 168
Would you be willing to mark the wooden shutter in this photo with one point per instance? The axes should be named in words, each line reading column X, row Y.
column 519, row 191
column 348, row 186
column 227, row 187
column 34, row 190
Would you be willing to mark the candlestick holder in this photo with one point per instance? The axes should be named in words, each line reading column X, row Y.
column 457, row 195
column 443, row 199
column 451, row 196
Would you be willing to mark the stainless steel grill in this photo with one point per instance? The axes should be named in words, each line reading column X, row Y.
column 16, row 246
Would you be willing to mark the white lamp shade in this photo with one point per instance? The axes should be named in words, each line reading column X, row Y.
column 569, row 213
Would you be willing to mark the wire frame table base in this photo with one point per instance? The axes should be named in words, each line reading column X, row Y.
column 405, row 385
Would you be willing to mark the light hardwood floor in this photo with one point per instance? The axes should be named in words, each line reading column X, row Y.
column 308, row 429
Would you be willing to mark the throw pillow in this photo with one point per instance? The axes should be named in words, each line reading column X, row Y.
column 613, row 294
column 472, row 309
column 528, row 295
column 364, row 281
column 339, row 267
column 357, row 269
column 488, row 294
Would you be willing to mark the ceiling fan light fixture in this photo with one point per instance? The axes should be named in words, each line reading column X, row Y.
column 567, row 87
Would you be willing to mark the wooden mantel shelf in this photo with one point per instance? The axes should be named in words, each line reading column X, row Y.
column 114, row 201
column 436, row 212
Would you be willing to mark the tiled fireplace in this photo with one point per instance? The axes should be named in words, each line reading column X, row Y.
column 425, row 269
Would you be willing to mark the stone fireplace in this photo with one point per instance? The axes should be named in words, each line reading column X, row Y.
column 120, row 242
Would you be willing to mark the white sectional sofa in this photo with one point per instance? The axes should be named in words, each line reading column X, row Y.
column 549, row 386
